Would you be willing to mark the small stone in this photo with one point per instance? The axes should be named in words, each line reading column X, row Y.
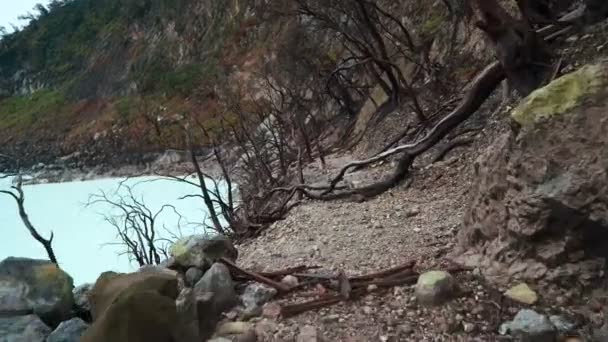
column 367, row 310
column 412, row 212
column 233, row 328
column 330, row 318
column 372, row 288
column 562, row 324
column 522, row 293
column 528, row 325
column 435, row 287
column 257, row 294
column 290, row 281
column 308, row 333
column 468, row 327
column 271, row 310
column 459, row 317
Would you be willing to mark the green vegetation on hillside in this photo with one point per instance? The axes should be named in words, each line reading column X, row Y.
column 18, row 112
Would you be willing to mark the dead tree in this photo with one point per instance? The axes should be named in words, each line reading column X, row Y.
column 373, row 38
column 136, row 225
column 521, row 52
column 18, row 195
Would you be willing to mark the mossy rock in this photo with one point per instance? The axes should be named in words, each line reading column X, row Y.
column 133, row 307
column 562, row 95
column 35, row 286
column 110, row 286
column 136, row 316
column 202, row 251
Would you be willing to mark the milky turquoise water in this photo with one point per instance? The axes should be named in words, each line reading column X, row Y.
column 81, row 234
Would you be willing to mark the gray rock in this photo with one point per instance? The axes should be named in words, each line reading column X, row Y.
column 81, row 297
column 562, row 324
column 217, row 280
column 308, row 333
column 202, row 251
column 23, row 329
column 256, row 295
column 156, row 269
column 35, row 286
column 68, row 331
column 528, row 325
column 435, row 287
column 549, row 171
column 290, row 281
column 193, row 275
column 187, row 313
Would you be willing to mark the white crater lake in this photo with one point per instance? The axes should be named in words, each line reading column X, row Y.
column 84, row 242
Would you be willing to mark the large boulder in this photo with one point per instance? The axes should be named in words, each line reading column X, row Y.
column 35, row 286
column 68, row 331
column 539, row 206
column 23, row 329
column 134, row 307
column 201, row 251
column 109, row 286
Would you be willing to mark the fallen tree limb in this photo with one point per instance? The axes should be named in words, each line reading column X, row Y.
column 288, row 271
column 291, row 310
column 406, row 266
column 256, row 276
column 480, row 89
column 452, row 145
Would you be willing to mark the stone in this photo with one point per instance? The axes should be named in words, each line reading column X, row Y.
column 69, row 331
column 193, row 275
column 248, row 336
column 256, row 295
column 412, row 212
column 201, row 251
column 110, row 285
column 541, row 189
column 27, row 328
column 156, row 269
column 308, row 333
column 35, row 286
column 220, row 339
column 435, row 287
column 81, row 297
column 530, row 326
column 218, row 282
column 468, row 327
column 290, row 281
column 265, row 329
column 522, row 293
column 405, row 330
column 562, row 324
column 188, row 318
column 234, row 328
column 135, row 307
column 271, row 310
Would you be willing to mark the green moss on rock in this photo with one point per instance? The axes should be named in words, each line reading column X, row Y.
column 561, row 95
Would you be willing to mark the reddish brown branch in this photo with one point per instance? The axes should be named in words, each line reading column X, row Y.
column 256, row 276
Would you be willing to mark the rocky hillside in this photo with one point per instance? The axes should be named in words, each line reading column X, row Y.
column 98, row 77
column 101, row 81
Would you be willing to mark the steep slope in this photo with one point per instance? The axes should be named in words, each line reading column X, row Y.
column 80, row 74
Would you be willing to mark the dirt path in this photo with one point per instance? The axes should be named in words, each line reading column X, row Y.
column 418, row 223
